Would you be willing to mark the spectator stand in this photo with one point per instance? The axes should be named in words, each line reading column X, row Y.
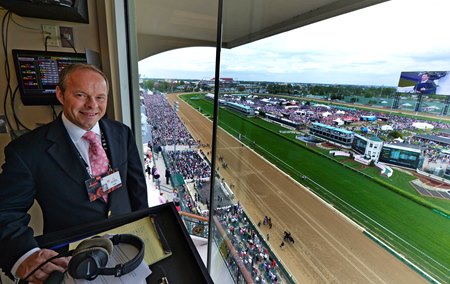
column 189, row 164
column 195, row 193
column 189, row 170
column 166, row 127
column 244, row 249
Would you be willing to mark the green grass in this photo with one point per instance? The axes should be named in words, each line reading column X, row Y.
column 414, row 230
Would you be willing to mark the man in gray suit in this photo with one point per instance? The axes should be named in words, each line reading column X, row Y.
column 51, row 164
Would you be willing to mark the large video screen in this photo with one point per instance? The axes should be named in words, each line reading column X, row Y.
column 359, row 145
column 425, row 82
column 400, row 157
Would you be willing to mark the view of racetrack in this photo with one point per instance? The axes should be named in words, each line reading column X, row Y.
column 328, row 246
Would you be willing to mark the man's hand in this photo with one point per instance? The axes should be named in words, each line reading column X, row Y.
column 36, row 259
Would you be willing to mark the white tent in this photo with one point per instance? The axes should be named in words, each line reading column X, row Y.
column 325, row 114
column 430, row 108
column 321, row 105
column 386, row 128
column 338, row 121
column 422, row 125
column 340, row 112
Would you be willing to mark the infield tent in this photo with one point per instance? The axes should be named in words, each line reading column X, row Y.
column 338, row 121
column 422, row 125
column 368, row 118
column 321, row 105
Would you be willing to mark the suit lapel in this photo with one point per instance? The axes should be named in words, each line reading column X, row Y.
column 113, row 141
column 64, row 153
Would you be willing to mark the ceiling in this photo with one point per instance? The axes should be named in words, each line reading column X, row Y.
column 164, row 25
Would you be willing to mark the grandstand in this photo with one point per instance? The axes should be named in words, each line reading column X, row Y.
column 282, row 121
column 333, row 134
column 245, row 248
column 247, row 110
column 370, row 147
column 210, row 96
column 404, row 155
column 434, row 138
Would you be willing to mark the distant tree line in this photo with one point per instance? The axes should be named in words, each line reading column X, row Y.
column 333, row 92
column 166, row 86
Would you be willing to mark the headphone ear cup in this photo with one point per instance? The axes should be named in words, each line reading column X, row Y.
column 88, row 257
column 95, row 242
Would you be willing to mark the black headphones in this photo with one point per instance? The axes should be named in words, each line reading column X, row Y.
column 91, row 256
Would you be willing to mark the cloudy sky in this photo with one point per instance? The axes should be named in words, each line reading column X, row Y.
column 369, row 47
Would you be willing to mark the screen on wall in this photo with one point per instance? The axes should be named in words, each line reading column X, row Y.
column 359, row 145
column 425, row 82
column 400, row 157
column 38, row 73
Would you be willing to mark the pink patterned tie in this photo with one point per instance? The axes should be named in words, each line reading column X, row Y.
column 97, row 156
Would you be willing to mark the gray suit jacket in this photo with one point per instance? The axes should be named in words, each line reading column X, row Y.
column 45, row 165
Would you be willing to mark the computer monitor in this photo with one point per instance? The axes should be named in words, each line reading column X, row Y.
column 38, row 73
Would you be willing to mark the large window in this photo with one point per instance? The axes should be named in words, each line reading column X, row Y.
column 233, row 126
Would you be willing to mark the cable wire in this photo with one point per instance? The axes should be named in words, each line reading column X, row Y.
column 46, row 42
column 16, row 118
column 69, row 42
column 8, row 91
column 55, row 115
column 44, row 263
column 25, row 27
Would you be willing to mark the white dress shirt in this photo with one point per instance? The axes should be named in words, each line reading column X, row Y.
column 76, row 134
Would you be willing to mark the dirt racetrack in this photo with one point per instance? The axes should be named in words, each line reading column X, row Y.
column 328, row 248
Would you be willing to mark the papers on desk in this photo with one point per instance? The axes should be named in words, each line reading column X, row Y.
column 156, row 247
column 147, row 228
column 121, row 253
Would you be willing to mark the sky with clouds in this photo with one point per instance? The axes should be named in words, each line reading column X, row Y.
column 366, row 47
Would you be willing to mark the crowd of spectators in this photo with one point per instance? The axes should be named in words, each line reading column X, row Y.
column 189, row 164
column 191, row 204
column 308, row 113
column 436, row 155
column 166, row 126
column 252, row 251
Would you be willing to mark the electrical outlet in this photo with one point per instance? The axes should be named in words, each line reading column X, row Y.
column 52, row 32
column 66, row 36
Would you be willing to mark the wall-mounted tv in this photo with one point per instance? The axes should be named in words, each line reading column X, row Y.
column 63, row 10
column 425, row 82
column 38, row 73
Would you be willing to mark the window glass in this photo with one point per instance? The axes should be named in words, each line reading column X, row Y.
column 295, row 198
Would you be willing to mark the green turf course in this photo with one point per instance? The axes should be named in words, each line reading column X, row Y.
column 413, row 230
